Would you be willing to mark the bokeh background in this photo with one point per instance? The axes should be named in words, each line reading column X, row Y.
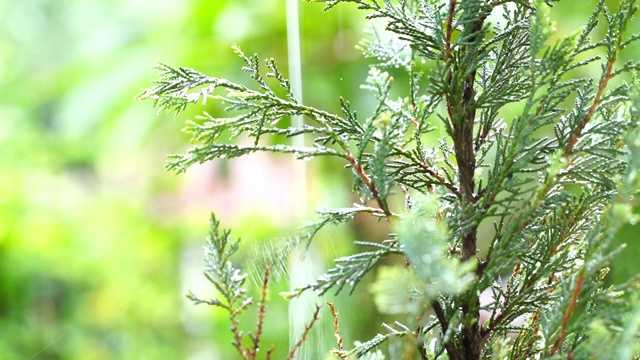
column 98, row 243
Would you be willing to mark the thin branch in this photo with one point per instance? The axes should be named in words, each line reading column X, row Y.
column 261, row 313
column 594, row 107
column 447, row 43
column 497, row 320
column 444, row 324
column 305, row 333
column 482, row 136
column 441, row 180
column 568, row 313
column 237, row 336
column 336, row 331
column 370, row 185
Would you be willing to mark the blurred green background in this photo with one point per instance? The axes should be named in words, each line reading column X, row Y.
column 98, row 244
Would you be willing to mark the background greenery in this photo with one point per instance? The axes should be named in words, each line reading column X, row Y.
column 98, row 244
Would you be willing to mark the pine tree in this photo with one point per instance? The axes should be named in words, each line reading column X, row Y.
column 555, row 181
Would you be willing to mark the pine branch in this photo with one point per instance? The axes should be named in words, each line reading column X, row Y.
column 349, row 270
column 228, row 280
column 338, row 216
column 364, row 348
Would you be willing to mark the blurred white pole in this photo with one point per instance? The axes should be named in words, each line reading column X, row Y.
column 303, row 268
column 295, row 77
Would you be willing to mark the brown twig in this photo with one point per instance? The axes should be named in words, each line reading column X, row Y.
column 305, row 333
column 237, row 336
column 444, row 324
column 369, row 183
column 441, row 180
column 464, row 144
column 608, row 75
column 481, row 138
column 569, row 312
column 336, row 331
column 270, row 351
column 447, row 43
column 261, row 313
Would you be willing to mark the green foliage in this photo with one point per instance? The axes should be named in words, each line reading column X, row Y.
column 551, row 180
column 220, row 272
column 422, row 238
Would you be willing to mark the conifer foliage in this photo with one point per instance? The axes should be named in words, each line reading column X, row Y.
column 553, row 183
